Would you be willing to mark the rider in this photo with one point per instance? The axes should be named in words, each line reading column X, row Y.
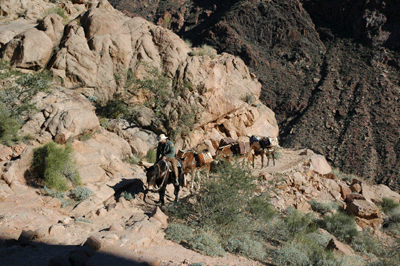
column 166, row 151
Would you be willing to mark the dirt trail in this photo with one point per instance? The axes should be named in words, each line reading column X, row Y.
column 26, row 210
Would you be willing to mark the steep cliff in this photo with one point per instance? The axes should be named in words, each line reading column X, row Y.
column 329, row 70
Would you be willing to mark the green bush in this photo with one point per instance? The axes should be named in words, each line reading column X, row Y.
column 179, row 232
column 114, row 108
column 245, row 245
column 151, row 156
column 56, row 194
column 341, row 225
column 56, row 10
column 55, row 166
column 293, row 255
column 388, row 205
column 126, row 195
column 206, row 242
column 85, row 137
column 365, row 243
column 80, row 193
column 322, row 207
column 203, row 50
column 9, row 126
column 297, row 222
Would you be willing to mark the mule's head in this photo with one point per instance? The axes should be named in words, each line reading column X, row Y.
column 151, row 174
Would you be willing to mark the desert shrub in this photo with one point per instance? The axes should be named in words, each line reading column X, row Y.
column 126, row 195
column 260, row 208
column 388, row 205
column 224, row 201
column 55, row 166
column 204, row 50
column 9, row 126
column 179, row 232
column 305, row 251
column 207, row 242
column 365, row 243
column 296, row 222
column 114, row 108
column 92, row 98
column 134, row 160
column 56, row 10
column 80, row 193
column 85, row 137
column 104, row 122
column 56, row 194
column 322, row 207
column 151, row 156
column 341, row 225
column 291, row 254
column 343, row 176
column 227, row 204
column 245, row 245
column 82, row 219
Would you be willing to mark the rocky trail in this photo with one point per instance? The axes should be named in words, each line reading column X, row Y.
column 129, row 231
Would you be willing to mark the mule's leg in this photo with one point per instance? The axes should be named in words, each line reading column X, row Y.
column 267, row 154
column 273, row 157
column 176, row 192
column 262, row 160
column 162, row 195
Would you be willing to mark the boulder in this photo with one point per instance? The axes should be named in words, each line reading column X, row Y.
column 53, row 26
column 5, row 153
column 375, row 193
column 31, row 49
column 160, row 216
column 70, row 119
column 57, row 230
column 339, row 248
column 364, row 209
column 319, row 164
column 331, row 184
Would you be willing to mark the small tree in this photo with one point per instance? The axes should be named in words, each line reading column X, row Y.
column 55, row 166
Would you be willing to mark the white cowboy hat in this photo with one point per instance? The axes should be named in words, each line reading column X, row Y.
column 162, row 137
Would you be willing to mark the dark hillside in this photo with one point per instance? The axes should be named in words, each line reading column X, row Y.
column 327, row 69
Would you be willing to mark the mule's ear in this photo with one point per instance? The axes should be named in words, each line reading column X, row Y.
column 146, row 169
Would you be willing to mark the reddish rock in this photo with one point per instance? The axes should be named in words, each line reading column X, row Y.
column 339, row 247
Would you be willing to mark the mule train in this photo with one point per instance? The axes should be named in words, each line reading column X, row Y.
column 191, row 163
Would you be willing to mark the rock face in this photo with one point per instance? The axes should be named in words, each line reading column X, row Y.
column 296, row 49
column 102, row 49
column 30, row 49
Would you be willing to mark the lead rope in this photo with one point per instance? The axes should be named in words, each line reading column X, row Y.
column 165, row 175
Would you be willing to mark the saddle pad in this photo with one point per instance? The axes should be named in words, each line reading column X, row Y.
column 205, row 157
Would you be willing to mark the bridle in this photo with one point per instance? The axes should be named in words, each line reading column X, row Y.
column 163, row 175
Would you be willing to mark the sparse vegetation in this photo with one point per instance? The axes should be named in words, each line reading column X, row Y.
column 126, row 195
column 388, row 205
column 80, row 193
column 85, row 137
column 9, row 126
column 15, row 96
column 322, row 207
column 151, row 156
column 56, row 10
column 341, row 225
column 55, row 166
column 203, row 50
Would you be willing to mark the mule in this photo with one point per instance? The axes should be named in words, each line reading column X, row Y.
column 159, row 176
column 227, row 153
column 191, row 164
column 262, row 147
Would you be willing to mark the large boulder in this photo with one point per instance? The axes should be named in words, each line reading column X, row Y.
column 100, row 52
column 53, row 26
column 31, row 49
